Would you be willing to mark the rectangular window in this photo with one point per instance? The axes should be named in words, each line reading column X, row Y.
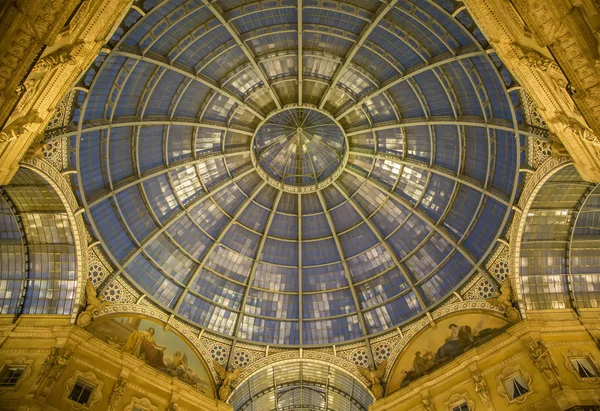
column 461, row 407
column 81, row 392
column 10, row 375
column 516, row 386
column 584, row 367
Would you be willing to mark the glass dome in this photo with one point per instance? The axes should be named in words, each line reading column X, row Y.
column 299, row 147
column 296, row 172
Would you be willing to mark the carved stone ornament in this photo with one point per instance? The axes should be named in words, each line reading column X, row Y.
column 557, row 149
column 117, row 394
column 571, row 125
column 503, row 300
column 574, row 354
column 20, row 127
column 173, row 407
column 95, row 397
column 481, row 389
column 533, row 59
column 458, row 399
column 93, row 304
column 51, row 370
column 502, row 389
column 374, row 377
column 19, row 361
column 427, row 404
column 228, row 379
column 143, row 403
column 54, row 59
column 538, row 351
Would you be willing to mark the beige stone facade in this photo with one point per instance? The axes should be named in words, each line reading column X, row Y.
column 551, row 49
column 56, row 353
column 565, row 336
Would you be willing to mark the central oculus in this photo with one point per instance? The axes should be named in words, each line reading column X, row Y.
column 299, row 149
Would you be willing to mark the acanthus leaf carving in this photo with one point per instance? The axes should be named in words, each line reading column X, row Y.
column 576, row 128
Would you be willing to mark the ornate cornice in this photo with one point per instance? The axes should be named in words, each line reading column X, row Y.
column 533, row 66
column 67, row 54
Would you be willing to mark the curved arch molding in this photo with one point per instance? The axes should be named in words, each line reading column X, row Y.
column 533, row 186
column 63, row 189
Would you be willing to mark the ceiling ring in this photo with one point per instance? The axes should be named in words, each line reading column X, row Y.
column 299, row 189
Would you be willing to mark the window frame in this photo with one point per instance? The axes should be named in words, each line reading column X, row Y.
column 458, row 400
column 85, row 386
column 89, row 378
column 16, row 362
column 509, row 373
column 574, row 354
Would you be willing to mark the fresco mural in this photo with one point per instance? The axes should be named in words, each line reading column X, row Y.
column 160, row 349
column 435, row 347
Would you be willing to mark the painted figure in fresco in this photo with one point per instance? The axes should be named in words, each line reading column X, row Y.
column 142, row 345
column 461, row 339
column 422, row 363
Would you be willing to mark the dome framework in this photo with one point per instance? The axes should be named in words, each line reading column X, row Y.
column 166, row 153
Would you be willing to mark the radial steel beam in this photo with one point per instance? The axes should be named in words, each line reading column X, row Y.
column 383, row 10
column 98, row 197
column 300, row 56
column 462, row 179
column 217, row 241
column 424, row 217
column 254, row 267
column 93, row 126
column 163, row 61
column 249, row 55
column 172, row 220
column 435, row 62
column 438, row 121
column 300, row 277
column 338, row 244
column 385, row 245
